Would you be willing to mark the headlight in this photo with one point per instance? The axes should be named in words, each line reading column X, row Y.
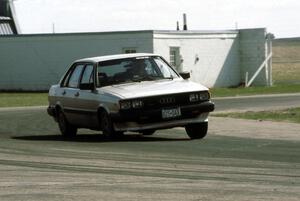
column 194, row 97
column 125, row 105
column 204, row 96
column 137, row 104
column 201, row 96
column 128, row 104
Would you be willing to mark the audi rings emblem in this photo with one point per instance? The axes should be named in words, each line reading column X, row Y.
column 167, row 100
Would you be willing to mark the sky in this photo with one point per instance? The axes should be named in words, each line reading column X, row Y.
column 280, row 17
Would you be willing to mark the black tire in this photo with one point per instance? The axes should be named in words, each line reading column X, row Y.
column 148, row 132
column 107, row 126
column 197, row 131
column 67, row 130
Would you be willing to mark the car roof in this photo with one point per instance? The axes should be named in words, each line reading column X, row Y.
column 116, row 56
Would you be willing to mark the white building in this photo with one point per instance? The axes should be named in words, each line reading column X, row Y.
column 214, row 58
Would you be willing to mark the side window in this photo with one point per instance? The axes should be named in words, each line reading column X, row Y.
column 75, row 76
column 87, row 76
column 164, row 68
column 66, row 78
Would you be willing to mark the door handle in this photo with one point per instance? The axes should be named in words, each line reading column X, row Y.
column 76, row 94
column 64, row 92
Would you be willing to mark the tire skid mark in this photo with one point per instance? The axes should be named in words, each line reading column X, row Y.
column 161, row 173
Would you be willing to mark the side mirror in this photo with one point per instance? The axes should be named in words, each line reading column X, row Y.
column 185, row 75
column 87, row 86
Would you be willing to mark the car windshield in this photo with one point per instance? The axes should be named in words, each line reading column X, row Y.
column 133, row 70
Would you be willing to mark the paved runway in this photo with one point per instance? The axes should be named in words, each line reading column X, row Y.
column 238, row 160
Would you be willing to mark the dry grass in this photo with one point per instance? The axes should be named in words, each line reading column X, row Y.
column 286, row 73
column 286, row 61
column 23, row 99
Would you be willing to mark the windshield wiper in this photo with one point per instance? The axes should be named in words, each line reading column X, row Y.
column 169, row 78
column 136, row 79
column 143, row 78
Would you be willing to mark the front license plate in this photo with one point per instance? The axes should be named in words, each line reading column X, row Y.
column 171, row 113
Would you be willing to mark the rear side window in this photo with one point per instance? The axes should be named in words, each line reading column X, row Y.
column 75, row 76
column 87, row 76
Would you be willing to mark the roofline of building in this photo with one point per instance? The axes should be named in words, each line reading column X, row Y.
column 169, row 32
column 196, row 32
column 79, row 33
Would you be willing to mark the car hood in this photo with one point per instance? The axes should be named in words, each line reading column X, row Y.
column 153, row 88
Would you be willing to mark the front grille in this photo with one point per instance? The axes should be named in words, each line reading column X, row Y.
column 152, row 108
column 166, row 101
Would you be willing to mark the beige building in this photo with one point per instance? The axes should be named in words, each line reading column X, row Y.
column 214, row 58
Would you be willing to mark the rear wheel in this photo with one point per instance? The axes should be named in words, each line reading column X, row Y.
column 107, row 126
column 66, row 129
column 197, row 131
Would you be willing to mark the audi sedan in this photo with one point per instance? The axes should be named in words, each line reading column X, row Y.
column 130, row 92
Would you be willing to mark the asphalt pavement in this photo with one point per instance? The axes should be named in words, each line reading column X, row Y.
column 238, row 160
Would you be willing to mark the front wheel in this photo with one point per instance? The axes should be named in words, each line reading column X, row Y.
column 66, row 129
column 197, row 131
column 107, row 126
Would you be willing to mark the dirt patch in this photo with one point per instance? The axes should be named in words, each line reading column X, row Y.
column 254, row 129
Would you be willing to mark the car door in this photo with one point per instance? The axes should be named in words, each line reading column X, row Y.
column 88, row 98
column 70, row 93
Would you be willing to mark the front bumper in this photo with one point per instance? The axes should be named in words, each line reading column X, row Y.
column 152, row 119
column 134, row 126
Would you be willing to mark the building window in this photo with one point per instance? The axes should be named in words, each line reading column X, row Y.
column 175, row 57
column 129, row 50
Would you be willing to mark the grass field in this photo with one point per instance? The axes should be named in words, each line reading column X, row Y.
column 288, row 115
column 286, row 61
column 23, row 99
column 276, row 89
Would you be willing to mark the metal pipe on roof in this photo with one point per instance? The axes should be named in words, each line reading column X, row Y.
column 184, row 22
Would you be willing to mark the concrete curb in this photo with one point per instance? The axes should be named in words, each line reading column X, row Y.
column 256, row 96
